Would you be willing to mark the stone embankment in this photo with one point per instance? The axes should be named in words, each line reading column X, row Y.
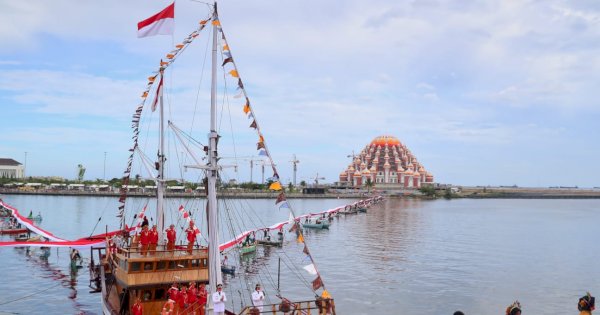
column 528, row 193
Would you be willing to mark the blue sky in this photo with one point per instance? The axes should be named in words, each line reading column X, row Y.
column 483, row 93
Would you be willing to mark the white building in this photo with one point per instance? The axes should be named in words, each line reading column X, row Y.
column 10, row 168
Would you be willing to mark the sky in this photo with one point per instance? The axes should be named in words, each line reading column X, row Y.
column 481, row 92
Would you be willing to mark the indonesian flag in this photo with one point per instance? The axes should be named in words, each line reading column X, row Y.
column 162, row 23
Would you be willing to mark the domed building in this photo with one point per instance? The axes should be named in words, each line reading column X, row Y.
column 387, row 163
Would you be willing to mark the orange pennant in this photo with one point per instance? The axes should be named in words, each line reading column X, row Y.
column 179, row 46
column 246, row 109
column 225, row 47
column 300, row 238
column 234, row 73
column 203, row 22
column 216, row 22
column 151, row 79
column 164, row 63
column 170, row 56
column 260, row 138
column 145, row 94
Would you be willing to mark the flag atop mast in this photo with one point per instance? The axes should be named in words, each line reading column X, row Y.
column 162, row 23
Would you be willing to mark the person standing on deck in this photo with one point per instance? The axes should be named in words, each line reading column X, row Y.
column 171, row 237
column 145, row 240
column 586, row 304
column 153, row 239
column 192, row 298
column 182, row 300
column 174, row 297
column 202, row 298
column 137, row 308
column 258, row 298
column 191, row 237
column 219, row 300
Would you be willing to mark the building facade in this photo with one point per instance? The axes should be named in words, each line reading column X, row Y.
column 10, row 168
column 386, row 163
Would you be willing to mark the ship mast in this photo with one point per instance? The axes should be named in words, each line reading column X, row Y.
column 214, row 265
column 160, row 178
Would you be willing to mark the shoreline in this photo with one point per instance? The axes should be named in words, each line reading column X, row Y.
column 465, row 192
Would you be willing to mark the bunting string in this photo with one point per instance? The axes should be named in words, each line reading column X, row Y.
column 135, row 121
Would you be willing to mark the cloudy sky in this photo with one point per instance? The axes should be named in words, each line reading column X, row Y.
column 482, row 92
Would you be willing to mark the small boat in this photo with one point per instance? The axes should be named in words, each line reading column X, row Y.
column 270, row 243
column 36, row 219
column 316, row 224
column 227, row 269
column 13, row 231
column 248, row 249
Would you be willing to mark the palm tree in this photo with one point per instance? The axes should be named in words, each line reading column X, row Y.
column 368, row 184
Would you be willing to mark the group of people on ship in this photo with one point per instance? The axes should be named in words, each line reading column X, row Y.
column 585, row 305
column 186, row 300
column 147, row 239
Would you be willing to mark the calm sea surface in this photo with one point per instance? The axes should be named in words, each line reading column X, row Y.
column 402, row 257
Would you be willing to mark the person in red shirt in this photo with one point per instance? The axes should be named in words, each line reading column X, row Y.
column 137, row 308
column 171, row 237
column 145, row 240
column 182, row 300
column 192, row 298
column 191, row 237
column 202, row 298
column 153, row 239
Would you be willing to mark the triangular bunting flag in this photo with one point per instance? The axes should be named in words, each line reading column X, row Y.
column 310, row 269
column 275, row 186
column 227, row 60
column 253, row 124
column 284, row 205
column 305, row 250
column 317, row 283
column 300, row 238
column 262, row 152
column 240, row 84
column 246, row 108
column 325, row 295
column 260, row 145
column 280, row 198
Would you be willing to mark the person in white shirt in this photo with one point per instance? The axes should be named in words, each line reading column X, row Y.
column 219, row 300
column 258, row 298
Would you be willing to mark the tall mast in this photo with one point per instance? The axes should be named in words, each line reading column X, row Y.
column 214, row 265
column 160, row 180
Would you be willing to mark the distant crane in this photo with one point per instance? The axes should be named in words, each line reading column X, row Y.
column 295, row 161
column 80, row 172
column 317, row 178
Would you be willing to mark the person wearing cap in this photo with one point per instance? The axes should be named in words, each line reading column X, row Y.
column 191, row 237
column 153, row 240
column 258, row 298
column 145, row 240
column 514, row 309
column 171, row 237
column 219, row 298
column 586, row 304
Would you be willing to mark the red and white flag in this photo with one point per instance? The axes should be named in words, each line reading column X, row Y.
column 158, row 95
column 162, row 23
